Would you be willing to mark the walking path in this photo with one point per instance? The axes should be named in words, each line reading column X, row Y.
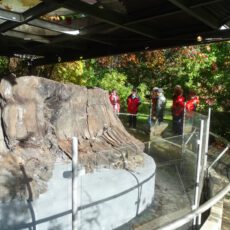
column 226, row 214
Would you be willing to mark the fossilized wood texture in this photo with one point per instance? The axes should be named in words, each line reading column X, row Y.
column 38, row 119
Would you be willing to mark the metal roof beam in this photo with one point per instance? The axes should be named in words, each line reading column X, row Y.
column 8, row 15
column 166, row 13
column 205, row 3
column 199, row 14
column 109, row 17
column 53, row 26
column 27, row 37
column 35, row 12
column 17, row 17
column 64, row 38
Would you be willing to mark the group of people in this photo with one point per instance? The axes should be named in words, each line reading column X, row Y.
column 179, row 106
column 158, row 104
column 133, row 102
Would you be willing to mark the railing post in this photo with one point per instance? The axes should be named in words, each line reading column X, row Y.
column 198, row 171
column 183, row 132
column 74, row 182
column 207, row 139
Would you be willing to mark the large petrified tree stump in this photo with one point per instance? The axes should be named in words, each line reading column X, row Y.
column 38, row 119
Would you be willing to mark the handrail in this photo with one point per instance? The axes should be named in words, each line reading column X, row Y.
column 137, row 114
column 218, row 158
column 204, row 207
column 199, row 173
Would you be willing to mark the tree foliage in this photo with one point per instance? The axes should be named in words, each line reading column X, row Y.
column 115, row 80
column 4, row 61
column 68, row 72
column 203, row 68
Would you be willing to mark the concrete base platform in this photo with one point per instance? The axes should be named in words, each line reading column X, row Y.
column 107, row 198
column 111, row 198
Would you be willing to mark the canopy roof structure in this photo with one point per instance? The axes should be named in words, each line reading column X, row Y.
column 53, row 31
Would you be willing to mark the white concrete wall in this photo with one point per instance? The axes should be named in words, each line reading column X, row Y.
column 108, row 198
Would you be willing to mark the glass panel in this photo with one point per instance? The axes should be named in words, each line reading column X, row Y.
column 35, row 30
column 69, row 18
column 18, row 5
column 190, row 152
column 172, row 197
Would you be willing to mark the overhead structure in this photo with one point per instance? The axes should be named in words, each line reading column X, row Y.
column 53, row 31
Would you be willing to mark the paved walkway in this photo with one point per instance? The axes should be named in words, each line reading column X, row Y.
column 226, row 214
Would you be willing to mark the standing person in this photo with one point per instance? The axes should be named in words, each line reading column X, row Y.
column 115, row 101
column 133, row 102
column 154, row 102
column 193, row 101
column 160, row 105
column 178, row 109
column 191, row 105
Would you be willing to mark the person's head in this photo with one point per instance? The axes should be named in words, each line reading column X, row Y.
column 192, row 93
column 134, row 91
column 155, row 90
column 160, row 91
column 114, row 92
column 178, row 90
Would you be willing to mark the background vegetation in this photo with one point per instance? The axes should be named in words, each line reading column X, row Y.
column 203, row 68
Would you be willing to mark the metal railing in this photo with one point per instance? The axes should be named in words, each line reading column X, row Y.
column 74, row 183
column 218, row 158
column 197, row 210
column 204, row 207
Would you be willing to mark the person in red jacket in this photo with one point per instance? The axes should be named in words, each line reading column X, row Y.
column 178, row 110
column 193, row 102
column 133, row 102
column 115, row 101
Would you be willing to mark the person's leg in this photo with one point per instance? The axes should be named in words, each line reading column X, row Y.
column 174, row 124
column 177, row 125
column 134, row 120
column 180, row 125
column 160, row 117
column 130, row 120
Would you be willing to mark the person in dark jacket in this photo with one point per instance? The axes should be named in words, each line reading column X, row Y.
column 178, row 110
column 160, row 105
column 154, row 102
column 133, row 102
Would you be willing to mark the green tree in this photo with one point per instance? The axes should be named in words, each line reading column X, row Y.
column 118, row 81
column 4, row 62
column 68, row 72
